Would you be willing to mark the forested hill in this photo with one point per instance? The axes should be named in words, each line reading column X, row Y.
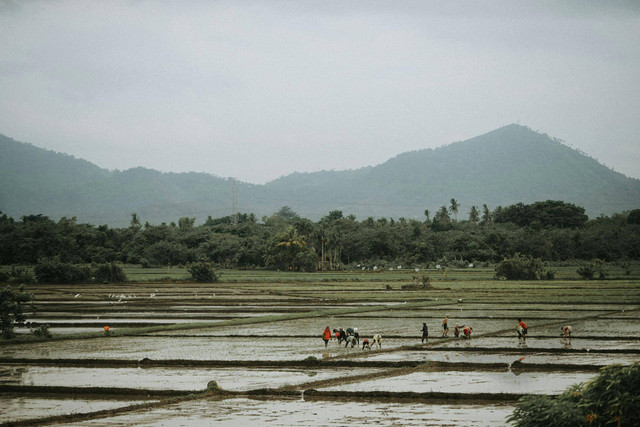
column 509, row 165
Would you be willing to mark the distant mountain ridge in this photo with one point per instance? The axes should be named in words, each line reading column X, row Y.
column 508, row 165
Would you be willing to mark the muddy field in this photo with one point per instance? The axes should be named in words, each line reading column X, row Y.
column 261, row 344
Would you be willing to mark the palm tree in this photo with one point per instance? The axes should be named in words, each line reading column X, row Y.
column 486, row 214
column 426, row 213
column 453, row 208
column 292, row 239
column 474, row 215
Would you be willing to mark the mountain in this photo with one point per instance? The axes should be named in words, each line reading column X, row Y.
column 508, row 165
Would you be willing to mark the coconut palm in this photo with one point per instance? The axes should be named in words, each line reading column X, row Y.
column 453, row 208
column 486, row 214
column 474, row 215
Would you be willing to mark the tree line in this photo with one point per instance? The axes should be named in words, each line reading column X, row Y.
column 549, row 230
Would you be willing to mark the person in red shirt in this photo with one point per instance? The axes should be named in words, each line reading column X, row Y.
column 365, row 344
column 326, row 336
column 521, row 327
column 466, row 330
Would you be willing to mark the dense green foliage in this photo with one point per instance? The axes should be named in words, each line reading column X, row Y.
column 52, row 270
column 502, row 167
column 203, row 272
column 109, row 272
column 596, row 269
column 520, row 267
column 287, row 241
column 551, row 213
column 610, row 399
column 11, row 309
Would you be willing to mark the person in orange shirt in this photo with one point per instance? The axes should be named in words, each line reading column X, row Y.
column 326, row 336
column 521, row 327
column 466, row 330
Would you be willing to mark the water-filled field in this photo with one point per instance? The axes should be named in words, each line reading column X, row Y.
column 261, row 343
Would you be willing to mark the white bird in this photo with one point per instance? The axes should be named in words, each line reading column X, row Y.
column 152, row 295
column 77, row 295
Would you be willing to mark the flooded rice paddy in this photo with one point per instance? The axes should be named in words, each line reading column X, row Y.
column 310, row 413
column 264, row 351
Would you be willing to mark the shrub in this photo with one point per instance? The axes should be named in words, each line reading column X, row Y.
column 610, row 398
column 109, row 272
column 42, row 331
column 203, row 272
column 52, row 270
column 11, row 309
column 520, row 267
column 21, row 275
column 594, row 269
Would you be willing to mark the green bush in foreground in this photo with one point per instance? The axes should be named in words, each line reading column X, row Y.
column 11, row 309
column 610, row 399
column 203, row 272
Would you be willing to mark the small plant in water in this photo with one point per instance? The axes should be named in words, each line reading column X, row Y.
column 42, row 331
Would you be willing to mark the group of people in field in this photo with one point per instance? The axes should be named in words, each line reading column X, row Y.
column 352, row 336
column 464, row 329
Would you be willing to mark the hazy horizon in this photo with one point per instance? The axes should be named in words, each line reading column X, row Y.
column 260, row 89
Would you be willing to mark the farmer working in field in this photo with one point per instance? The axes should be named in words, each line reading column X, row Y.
column 377, row 340
column 365, row 344
column 521, row 327
column 566, row 331
column 326, row 336
column 350, row 340
column 445, row 326
column 425, row 332
column 466, row 330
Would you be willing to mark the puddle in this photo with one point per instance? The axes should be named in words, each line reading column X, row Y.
column 310, row 413
column 22, row 408
column 181, row 378
column 471, row 382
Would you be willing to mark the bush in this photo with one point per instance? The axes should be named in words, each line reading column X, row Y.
column 42, row 331
column 21, row 275
column 202, row 272
column 52, row 270
column 11, row 309
column 520, row 267
column 594, row 269
column 611, row 398
column 109, row 272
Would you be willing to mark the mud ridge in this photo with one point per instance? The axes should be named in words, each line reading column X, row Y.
column 96, row 392
column 433, row 366
column 431, row 397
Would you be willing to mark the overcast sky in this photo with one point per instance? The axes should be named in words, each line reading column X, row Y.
column 259, row 89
